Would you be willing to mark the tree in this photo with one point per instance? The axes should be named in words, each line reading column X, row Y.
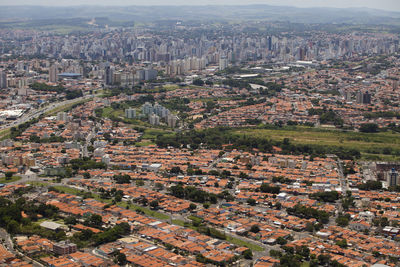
column 86, row 175
column 342, row 243
column 9, row 175
column 94, row 220
column 247, row 254
column 281, row 241
column 251, row 201
column 121, row 258
column 331, row 196
column 255, row 228
column 175, row 170
column 154, row 204
column 192, row 206
column 265, row 188
column 159, row 186
column 198, row 82
column 343, row 221
column 70, row 220
column 369, row 128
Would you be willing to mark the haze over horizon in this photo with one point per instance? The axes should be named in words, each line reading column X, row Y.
column 389, row 5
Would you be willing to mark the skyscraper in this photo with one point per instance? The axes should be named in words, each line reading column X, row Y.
column 392, row 178
column 108, row 75
column 3, row 79
column 363, row 98
column 53, row 72
column 130, row 113
column 223, row 63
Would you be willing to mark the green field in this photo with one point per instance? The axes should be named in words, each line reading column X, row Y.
column 151, row 134
column 382, row 145
column 4, row 180
column 65, row 107
column 242, row 243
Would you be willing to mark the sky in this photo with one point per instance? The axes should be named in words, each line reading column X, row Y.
column 391, row 5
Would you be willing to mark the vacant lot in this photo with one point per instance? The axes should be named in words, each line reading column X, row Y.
column 384, row 145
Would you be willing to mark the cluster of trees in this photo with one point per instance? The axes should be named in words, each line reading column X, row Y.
column 69, row 94
column 112, row 193
column 122, row 178
column 326, row 116
column 347, row 201
column 271, row 90
column 72, row 94
column 343, row 220
column 47, row 88
column 266, row 188
column 216, row 137
column 369, row 128
column 295, row 257
column 86, row 164
column 331, row 196
column 51, row 139
column 12, row 220
column 178, row 104
column 370, row 185
column 111, row 234
column 17, row 131
column 308, row 212
column 380, row 221
column 282, row 180
column 382, row 114
column 193, row 194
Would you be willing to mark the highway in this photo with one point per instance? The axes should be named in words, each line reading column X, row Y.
column 36, row 113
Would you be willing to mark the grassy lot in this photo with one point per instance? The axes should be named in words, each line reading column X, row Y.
column 151, row 134
column 67, row 190
column 144, row 143
column 38, row 183
column 64, row 107
column 4, row 134
column 4, row 180
column 178, row 222
column 242, row 243
column 370, row 144
column 109, row 111
column 149, row 212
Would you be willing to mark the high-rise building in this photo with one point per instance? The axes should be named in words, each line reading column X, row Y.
column 150, row 74
column 172, row 120
column 392, row 178
column 363, row 98
column 53, row 72
column 3, row 79
column 154, row 119
column 130, row 113
column 62, row 116
column 367, row 98
column 147, row 108
column 108, row 75
column 223, row 63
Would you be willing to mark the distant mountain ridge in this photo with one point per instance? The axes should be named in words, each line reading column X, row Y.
column 203, row 13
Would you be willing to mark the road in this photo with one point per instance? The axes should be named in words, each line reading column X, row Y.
column 36, row 113
column 8, row 244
